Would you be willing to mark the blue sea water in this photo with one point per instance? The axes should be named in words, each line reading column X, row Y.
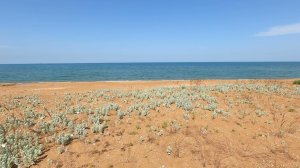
column 147, row 71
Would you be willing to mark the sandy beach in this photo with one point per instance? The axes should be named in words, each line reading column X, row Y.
column 187, row 123
column 150, row 84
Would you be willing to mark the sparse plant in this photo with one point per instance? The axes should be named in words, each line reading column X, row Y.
column 120, row 114
column 61, row 149
column 104, row 110
column 164, row 125
column 64, row 139
column 60, row 120
column 186, row 115
column 296, row 82
column 45, row 127
column 97, row 127
column 34, row 100
column 217, row 112
column 298, row 90
column 77, row 109
column 169, row 150
column 242, row 114
column 175, row 126
column 211, row 107
column 19, row 149
column 133, row 133
column 138, row 127
column 260, row 113
column 80, row 130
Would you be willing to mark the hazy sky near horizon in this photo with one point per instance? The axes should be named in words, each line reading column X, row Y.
column 64, row 31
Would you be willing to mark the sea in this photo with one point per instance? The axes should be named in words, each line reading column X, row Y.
column 25, row 73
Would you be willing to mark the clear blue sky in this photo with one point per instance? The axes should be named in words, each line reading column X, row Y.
column 57, row 31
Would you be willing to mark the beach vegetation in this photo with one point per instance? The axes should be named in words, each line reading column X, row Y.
column 169, row 150
column 64, row 138
column 99, row 127
column 27, row 122
column 61, row 149
column 80, row 130
column 298, row 90
column 120, row 114
column 164, row 125
column 260, row 112
column 296, row 82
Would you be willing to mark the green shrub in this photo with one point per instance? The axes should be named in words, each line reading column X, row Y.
column 19, row 149
column 164, row 125
column 80, row 130
column 64, row 139
column 296, row 82
column 120, row 114
column 97, row 127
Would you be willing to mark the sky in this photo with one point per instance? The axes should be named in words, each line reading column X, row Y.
column 96, row 31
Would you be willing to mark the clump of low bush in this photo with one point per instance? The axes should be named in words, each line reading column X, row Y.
column 296, row 82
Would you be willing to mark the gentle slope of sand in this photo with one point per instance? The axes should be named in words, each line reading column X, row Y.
column 256, row 123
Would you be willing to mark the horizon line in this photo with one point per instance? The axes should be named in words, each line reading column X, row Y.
column 151, row 62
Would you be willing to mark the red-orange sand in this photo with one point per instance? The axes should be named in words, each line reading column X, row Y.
column 239, row 140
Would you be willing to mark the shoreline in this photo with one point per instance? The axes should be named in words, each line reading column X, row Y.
column 146, row 81
column 65, row 87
